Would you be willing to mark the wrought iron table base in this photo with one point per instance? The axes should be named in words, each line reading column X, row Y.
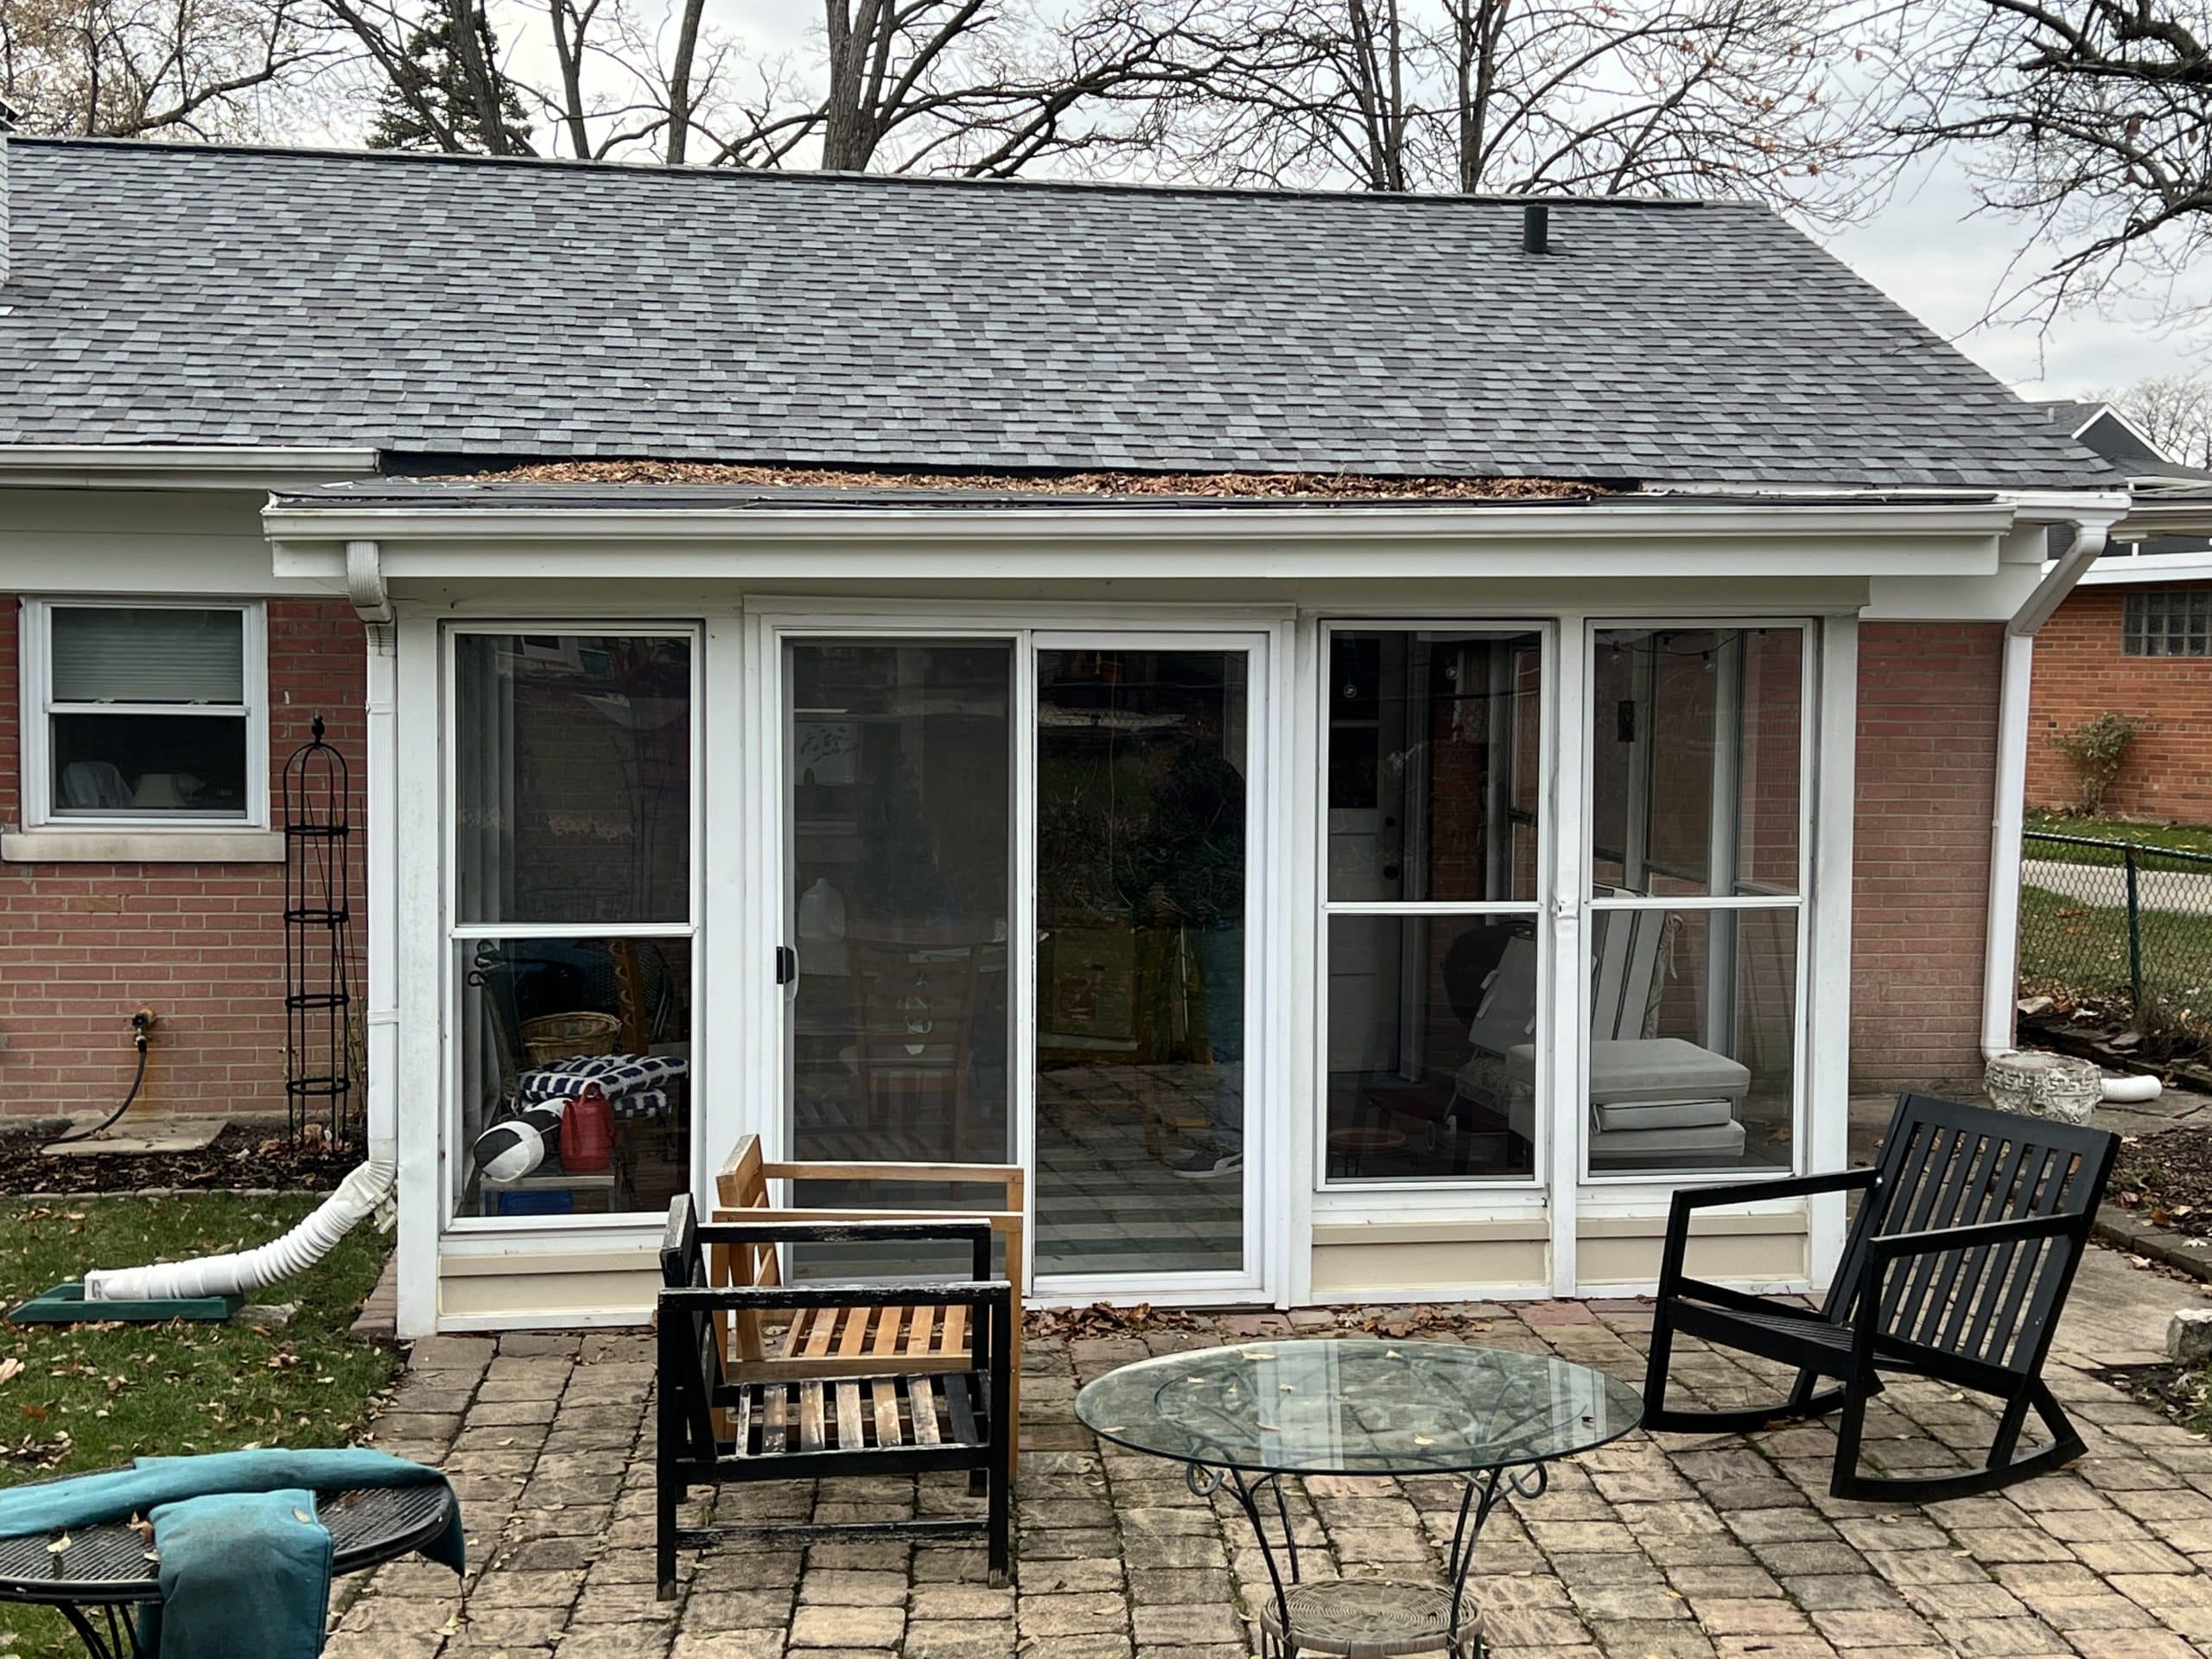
column 1368, row 1619
column 117, row 1640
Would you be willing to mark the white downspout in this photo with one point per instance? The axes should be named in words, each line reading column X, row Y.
column 367, row 1189
column 2001, row 963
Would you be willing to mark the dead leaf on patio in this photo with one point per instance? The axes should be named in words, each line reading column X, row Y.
column 1100, row 1320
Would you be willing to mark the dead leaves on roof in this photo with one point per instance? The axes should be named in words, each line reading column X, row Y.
column 1333, row 486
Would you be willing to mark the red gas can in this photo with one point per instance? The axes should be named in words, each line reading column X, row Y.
column 587, row 1133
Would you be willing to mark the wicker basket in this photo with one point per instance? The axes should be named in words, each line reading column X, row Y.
column 551, row 1037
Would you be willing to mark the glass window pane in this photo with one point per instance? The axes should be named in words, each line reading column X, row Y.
column 171, row 765
column 1696, row 768
column 1143, row 768
column 105, row 653
column 533, row 1015
column 1693, row 1039
column 1433, row 764
column 1433, row 1024
column 573, row 778
column 900, row 782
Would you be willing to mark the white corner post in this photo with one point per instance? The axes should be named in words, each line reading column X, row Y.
column 2001, row 962
column 1827, row 1084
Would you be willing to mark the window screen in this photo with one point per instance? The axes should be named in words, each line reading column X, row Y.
column 2177, row 622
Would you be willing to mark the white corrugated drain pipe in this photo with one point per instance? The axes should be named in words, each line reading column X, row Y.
column 368, row 1190
column 2001, row 961
column 243, row 1272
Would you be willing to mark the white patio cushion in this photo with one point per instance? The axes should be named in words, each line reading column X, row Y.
column 1666, row 1114
column 1654, row 1069
column 1715, row 1142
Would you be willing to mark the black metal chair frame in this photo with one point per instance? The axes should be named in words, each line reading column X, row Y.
column 694, row 1385
column 1956, row 1268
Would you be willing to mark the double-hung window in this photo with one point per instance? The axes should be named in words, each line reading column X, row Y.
column 144, row 714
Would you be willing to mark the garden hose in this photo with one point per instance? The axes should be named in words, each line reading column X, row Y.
column 142, row 1023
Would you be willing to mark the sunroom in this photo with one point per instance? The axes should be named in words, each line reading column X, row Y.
column 1340, row 900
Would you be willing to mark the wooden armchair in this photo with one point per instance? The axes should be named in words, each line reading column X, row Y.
column 1956, row 1269
column 823, row 1338
column 854, row 1413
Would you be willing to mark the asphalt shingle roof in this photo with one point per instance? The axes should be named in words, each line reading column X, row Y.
column 173, row 293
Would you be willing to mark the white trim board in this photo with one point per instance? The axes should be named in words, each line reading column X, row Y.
column 1620, row 539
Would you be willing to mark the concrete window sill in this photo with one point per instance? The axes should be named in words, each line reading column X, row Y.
column 141, row 847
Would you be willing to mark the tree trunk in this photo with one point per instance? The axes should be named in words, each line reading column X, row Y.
column 679, row 80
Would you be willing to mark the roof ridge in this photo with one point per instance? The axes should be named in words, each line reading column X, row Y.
column 796, row 176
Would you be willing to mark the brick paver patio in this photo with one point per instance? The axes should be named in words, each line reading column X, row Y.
column 1675, row 1546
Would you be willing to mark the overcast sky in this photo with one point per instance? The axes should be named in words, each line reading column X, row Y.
column 1931, row 251
column 1927, row 248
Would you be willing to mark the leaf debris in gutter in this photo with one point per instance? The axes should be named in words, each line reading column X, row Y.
column 1283, row 485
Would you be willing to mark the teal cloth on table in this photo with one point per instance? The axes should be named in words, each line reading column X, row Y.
column 242, row 1572
column 228, row 1540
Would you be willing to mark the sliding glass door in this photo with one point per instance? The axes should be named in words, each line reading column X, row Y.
column 898, row 789
column 1144, row 826
column 1017, row 917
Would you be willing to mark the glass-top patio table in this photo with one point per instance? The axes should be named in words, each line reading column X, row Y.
column 1240, row 1418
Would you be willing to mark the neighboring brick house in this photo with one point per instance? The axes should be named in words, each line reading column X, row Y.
column 1276, row 711
column 2134, row 639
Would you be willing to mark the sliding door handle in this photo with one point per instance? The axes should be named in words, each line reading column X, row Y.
column 786, row 964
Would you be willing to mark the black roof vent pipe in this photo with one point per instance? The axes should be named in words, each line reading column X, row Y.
column 1536, row 227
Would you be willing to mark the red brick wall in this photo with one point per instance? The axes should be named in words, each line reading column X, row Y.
column 2080, row 673
column 1926, row 783
column 84, row 945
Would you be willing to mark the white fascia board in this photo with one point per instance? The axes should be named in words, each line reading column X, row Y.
column 1604, row 539
column 2135, row 569
column 180, row 466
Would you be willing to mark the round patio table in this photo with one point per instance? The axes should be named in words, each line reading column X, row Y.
column 107, row 1570
column 1240, row 1418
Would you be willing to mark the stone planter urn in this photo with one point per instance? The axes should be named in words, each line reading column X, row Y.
column 2056, row 1086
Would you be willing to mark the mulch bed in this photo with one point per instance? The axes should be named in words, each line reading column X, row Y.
column 238, row 1158
column 2180, row 1394
column 2166, row 1178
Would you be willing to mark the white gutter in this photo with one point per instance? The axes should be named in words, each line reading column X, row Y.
column 181, row 466
column 2001, row 962
column 607, row 518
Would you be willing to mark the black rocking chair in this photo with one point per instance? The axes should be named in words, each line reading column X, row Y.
column 1956, row 1268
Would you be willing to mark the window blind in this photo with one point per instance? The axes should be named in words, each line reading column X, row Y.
column 160, row 654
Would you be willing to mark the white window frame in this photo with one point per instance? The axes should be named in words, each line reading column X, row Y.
column 1532, row 1187
column 454, row 933
column 38, row 710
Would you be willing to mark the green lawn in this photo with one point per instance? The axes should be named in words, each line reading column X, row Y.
column 2185, row 838
column 93, row 1396
column 2081, row 951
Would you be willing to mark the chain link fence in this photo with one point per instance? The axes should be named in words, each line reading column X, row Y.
column 2121, row 930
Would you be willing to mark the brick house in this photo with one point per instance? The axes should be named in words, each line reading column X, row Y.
column 1363, row 740
column 2134, row 638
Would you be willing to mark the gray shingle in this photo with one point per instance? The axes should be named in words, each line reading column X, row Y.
column 175, row 294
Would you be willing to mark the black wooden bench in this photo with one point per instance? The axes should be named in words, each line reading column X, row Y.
column 849, row 1413
column 1955, row 1267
